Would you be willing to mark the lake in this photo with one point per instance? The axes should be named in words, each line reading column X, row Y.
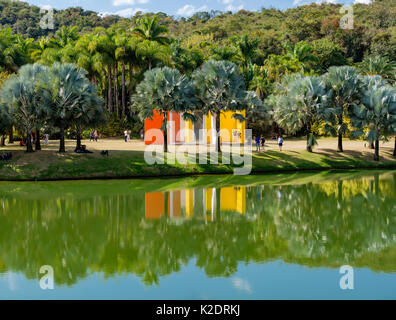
column 282, row 236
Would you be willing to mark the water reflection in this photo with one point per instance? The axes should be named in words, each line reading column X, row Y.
column 123, row 227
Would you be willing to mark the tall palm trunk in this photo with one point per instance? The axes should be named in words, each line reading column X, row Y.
column 62, row 148
column 309, row 147
column 109, row 90
column 123, row 98
column 165, row 132
column 394, row 150
column 340, row 148
column 38, row 144
column 116, row 89
column 376, row 151
column 29, row 146
column 11, row 137
column 218, row 139
column 78, row 145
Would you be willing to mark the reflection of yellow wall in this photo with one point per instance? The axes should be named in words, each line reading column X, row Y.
column 233, row 199
column 189, row 203
column 208, row 200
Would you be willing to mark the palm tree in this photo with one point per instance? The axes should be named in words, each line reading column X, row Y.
column 70, row 89
column 26, row 98
column 103, row 45
column 152, row 53
column 298, row 104
column 377, row 112
column 149, row 29
column 378, row 65
column 91, row 110
column 164, row 90
column 301, row 52
column 343, row 85
column 247, row 49
column 220, row 87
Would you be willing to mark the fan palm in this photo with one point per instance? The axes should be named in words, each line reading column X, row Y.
column 299, row 104
column 220, row 87
column 377, row 112
column 26, row 98
column 164, row 90
column 343, row 86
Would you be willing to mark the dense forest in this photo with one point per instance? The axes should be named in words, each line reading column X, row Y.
column 265, row 46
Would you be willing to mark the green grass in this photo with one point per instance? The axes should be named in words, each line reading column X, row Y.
column 47, row 165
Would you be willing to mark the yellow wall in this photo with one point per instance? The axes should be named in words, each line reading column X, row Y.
column 226, row 122
column 229, row 123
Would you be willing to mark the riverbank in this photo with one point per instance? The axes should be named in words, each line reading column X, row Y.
column 126, row 160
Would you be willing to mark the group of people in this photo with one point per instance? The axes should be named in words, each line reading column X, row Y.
column 93, row 136
column 4, row 156
column 127, row 135
column 260, row 142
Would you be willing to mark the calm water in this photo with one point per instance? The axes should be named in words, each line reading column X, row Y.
column 257, row 237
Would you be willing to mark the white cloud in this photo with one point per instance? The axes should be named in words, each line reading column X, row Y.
column 364, row 1
column 231, row 6
column 188, row 10
column 126, row 13
column 118, row 3
column 242, row 284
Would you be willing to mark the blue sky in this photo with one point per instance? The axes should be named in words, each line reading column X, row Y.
column 174, row 7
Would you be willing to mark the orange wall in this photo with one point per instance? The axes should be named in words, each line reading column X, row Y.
column 155, row 205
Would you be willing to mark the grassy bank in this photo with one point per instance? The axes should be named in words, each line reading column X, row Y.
column 49, row 165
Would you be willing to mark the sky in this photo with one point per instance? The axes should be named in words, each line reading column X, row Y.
column 178, row 8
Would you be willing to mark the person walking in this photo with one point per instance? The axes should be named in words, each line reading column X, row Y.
column 46, row 139
column 258, row 144
column 129, row 135
column 96, row 136
column 280, row 143
column 262, row 142
column 126, row 135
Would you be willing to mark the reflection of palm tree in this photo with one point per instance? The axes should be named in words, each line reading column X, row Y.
column 104, row 230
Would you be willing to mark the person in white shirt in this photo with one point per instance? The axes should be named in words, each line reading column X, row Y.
column 280, row 142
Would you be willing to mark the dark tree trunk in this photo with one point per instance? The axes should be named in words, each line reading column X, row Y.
column 29, row 146
column 394, row 150
column 130, row 82
column 218, row 132
column 123, row 98
column 116, row 89
column 3, row 140
column 166, row 132
column 109, row 90
column 372, row 145
column 11, row 137
column 62, row 148
column 376, row 151
column 309, row 147
column 38, row 144
column 340, row 148
column 78, row 145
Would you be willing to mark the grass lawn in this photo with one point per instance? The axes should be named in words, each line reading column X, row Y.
column 126, row 160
